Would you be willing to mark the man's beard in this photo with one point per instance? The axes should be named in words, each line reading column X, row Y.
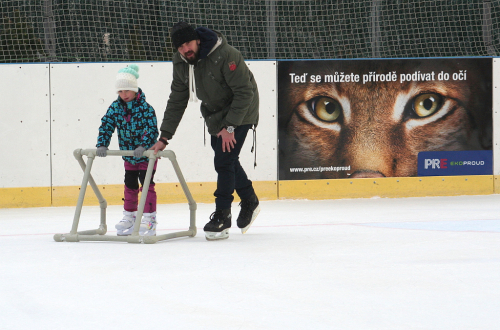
column 193, row 60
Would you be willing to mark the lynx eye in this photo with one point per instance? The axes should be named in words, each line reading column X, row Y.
column 326, row 108
column 427, row 104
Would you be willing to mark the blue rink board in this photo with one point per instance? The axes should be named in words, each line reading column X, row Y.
column 463, row 225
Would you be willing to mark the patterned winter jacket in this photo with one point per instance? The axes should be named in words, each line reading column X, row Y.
column 136, row 126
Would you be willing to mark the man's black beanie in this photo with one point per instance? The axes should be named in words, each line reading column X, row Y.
column 182, row 32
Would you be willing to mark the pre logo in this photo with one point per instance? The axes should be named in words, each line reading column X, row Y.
column 465, row 162
column 435, row 163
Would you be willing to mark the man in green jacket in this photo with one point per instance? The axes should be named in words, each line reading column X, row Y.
column 207, row 68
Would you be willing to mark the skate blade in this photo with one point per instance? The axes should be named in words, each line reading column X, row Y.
column 125, row 232
column 215, row 236
column 129, row 231
column 147, row 232
column 254, row 215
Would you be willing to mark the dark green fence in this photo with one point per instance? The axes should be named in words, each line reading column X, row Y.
column 99, row 30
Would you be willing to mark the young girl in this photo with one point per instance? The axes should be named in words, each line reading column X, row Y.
column 135, row 121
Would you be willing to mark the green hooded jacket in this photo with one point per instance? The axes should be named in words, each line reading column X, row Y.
column 225, row 87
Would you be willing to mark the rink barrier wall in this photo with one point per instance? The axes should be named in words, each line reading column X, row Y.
column 26, row 197
column 388, row 187
column 49, row 109
column 304, row 189
column 496, row 184
column 167, row 193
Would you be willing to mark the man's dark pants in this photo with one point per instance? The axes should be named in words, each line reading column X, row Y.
column 230, row 175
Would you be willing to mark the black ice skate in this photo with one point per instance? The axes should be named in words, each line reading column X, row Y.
column 218, row 226
column 249, row 210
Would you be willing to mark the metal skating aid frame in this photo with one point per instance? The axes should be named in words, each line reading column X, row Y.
column 99, row 234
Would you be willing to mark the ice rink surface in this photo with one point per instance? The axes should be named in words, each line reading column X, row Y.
column 409, row 263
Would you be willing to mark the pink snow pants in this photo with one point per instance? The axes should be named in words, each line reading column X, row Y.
column 133, row 175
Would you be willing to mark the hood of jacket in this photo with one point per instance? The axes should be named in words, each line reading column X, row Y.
column 208, row 40
column 140, row 97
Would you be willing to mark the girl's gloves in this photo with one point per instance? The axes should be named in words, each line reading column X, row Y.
column 102, row 151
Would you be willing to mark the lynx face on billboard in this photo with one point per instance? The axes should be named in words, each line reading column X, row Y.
column 371, row 118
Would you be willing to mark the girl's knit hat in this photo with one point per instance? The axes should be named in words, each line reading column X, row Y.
column 126, row 80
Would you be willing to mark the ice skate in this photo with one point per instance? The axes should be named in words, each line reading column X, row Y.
column 218, row 226
column 126, row 225
column 148, row 225
column 249, row 210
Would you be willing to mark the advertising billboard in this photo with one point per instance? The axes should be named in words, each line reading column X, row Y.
column 372, row 118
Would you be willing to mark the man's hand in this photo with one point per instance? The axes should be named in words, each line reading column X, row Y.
column 158, row 146
column 228, row 140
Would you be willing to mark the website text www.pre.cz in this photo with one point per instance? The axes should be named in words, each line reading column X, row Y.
column 320, row 169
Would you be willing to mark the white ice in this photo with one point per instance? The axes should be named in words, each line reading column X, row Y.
column 409, row 263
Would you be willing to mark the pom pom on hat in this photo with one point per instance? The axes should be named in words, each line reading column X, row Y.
column 126, row 80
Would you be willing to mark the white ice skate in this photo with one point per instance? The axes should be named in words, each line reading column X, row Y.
column 126, row 225
column 148, row 224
